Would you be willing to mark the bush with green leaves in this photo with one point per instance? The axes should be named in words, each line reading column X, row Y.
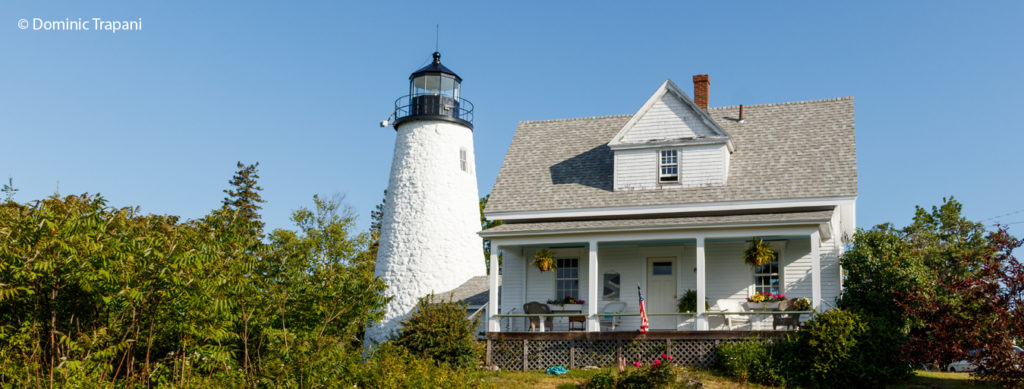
column 754, row 360
column 97, row 296
column 394, row 366
column 688, row 303
column 441, row 331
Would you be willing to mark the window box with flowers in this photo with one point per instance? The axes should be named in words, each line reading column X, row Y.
column 567, row 303
column 764, row 301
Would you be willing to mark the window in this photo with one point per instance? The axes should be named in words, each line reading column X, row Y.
column 463, row 161
column 766, row 277
column 669, row 166
column 611, row 286
column 567, row 277
column 662, row 269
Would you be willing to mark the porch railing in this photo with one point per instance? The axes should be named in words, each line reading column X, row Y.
column 653, row 314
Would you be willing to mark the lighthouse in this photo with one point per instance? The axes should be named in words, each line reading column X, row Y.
column 428, row 239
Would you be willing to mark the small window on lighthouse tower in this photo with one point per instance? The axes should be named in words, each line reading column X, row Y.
column 463, row 163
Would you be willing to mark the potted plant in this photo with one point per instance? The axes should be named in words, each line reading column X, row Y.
column 759, row 253
column 765, row 301
column 567, row 303
column 802, row 304
column 544, row 260
column 688, row 303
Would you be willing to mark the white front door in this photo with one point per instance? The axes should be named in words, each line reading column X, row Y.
column 661, row 291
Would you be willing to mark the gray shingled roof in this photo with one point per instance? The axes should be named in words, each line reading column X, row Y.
column 653, row 223
column 472, row 292
column 783, row 151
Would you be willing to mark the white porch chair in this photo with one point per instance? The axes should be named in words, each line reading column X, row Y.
column 611, row 321
column 732, row 306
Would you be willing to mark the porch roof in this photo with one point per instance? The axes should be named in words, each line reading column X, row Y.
column 682, row 222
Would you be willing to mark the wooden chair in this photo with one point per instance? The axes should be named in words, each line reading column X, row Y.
column 534, row 307
column 732, row 306
column 612, row 321
column 789, row 320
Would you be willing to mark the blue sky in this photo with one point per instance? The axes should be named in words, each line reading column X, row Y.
column 158, row 117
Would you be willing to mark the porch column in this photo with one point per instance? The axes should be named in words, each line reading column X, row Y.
column 492, row 301
column 815, row 269
column 593, row 325
column 702, row 321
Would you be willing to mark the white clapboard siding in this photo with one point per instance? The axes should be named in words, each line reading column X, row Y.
column 636, row 169
column 829, row 273
column 513, row 282
column 704, row 165
column 669, row 118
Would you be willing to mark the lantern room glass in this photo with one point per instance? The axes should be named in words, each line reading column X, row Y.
column 434, row 85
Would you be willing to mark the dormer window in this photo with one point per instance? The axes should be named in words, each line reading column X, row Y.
column 669, row 166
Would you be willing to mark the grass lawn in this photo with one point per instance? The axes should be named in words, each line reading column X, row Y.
column 710, row 378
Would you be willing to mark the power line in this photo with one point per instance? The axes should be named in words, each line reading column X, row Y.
column 1005, row 214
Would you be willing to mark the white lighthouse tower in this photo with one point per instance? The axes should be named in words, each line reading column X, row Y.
column 428, row 240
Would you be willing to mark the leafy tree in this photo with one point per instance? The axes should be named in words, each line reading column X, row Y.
column 936, row 283
column 485, row 224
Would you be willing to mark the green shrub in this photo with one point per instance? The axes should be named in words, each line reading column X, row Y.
column 393, row 366
column 688, row 303
column 602, row 380
column 442, row 332
column 836, row 348
column 754, row 360
column 824, row 348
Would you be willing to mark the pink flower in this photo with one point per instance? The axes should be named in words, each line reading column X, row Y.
column 637, row 364
column 664, row 356
column 670, row 357
column 658, row 362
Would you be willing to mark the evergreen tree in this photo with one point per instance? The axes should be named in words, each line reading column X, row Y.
column 244, row 195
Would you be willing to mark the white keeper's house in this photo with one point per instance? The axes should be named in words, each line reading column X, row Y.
column 669, row 198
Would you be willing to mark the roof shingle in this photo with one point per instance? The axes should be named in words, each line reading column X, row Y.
column 783, row 151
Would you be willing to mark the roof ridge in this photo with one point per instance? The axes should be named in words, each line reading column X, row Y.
column 787, row 102
column 577, row 118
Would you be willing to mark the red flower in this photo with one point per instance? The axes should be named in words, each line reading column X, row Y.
column 658, row 362
column 664, row 356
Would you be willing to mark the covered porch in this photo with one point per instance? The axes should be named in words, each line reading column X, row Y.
column 605, row 267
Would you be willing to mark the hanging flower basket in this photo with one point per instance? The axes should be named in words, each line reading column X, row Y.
column 544, row 260
column 759, row 253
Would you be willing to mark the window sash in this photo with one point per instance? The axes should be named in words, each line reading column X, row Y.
column 668, row 166
column 766, row 278
column 567, row 281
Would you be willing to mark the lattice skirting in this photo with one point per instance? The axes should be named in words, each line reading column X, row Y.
column 523, row 353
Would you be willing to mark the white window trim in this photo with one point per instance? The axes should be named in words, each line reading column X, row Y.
column 779, row 248
column 662, row 165
column 464, row 159
column 556, row 279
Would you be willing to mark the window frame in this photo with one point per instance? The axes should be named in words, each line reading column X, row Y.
column 559, row 294
column 777, row 275
column 662, row 165
column 464, row 159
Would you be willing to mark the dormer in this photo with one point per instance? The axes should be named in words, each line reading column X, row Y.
column 671, row 142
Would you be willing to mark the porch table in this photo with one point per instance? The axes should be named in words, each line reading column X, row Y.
column 571, row 319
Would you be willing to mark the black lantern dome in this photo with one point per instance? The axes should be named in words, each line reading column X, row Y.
column 434, row 94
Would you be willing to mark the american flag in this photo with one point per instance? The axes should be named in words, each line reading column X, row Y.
column 643, row 311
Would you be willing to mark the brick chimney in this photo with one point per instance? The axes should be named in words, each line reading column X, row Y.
column 701, row 84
